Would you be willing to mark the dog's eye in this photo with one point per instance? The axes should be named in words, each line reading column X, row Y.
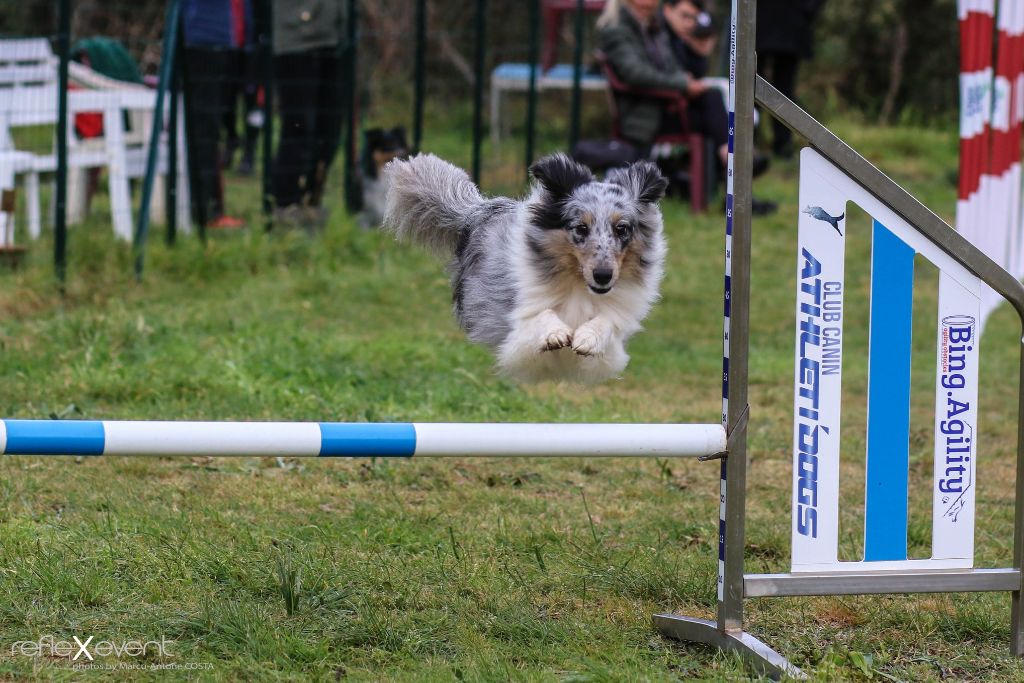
column 622, row 230
column 580, row 230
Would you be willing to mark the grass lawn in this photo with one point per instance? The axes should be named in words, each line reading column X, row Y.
column 545, row 569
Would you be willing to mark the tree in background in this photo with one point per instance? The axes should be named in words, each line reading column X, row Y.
column 893, row 60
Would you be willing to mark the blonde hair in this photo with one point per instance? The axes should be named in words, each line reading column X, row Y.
column 610, row 13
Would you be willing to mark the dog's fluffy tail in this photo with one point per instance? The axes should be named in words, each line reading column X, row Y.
column 429, row 202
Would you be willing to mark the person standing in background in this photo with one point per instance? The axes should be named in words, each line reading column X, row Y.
column 309, row 36
column 243, row 85
column 212, row 29
column 785, row 35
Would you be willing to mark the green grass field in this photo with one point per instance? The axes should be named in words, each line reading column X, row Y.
column 546, row 569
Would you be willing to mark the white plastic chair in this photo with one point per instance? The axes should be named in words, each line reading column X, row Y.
column 137, row 104
column 124, row 154
column 28, row 98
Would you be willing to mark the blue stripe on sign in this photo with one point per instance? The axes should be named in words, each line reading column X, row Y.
column 732, row 130
column 356, row 439
column 888, row 459
column 54, row 437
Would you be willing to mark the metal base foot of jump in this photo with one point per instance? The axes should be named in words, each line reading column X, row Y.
column 757, row 654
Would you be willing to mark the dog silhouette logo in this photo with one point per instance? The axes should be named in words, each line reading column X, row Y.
column 823, row 215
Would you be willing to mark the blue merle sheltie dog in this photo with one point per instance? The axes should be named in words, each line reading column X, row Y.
column 555, row 283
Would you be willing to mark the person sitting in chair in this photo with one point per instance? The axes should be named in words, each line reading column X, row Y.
column 639, row 46
column 691, row 36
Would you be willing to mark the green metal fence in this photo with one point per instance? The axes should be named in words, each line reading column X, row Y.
column 428, row 68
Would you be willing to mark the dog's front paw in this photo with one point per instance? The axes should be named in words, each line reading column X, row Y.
column 586, row 341
column 557, row 338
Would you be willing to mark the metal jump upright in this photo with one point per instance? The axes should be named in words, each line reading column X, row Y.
column 932, row 235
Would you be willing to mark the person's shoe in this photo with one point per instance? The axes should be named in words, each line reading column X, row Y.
column 759, row 207
column 759, row 165
column 226, row 223
column 297, row 216
column 289, row 217
column 314, row 218
column 762, row 207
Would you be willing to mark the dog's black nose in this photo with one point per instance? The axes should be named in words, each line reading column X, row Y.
column 603, row 276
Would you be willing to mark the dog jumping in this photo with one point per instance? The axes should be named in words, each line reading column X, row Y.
column 555, row 283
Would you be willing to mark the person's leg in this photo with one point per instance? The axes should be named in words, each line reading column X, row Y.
column 784, row 73
column 252, row 111
column 708, row 116
column 221, row 68
column 230, row 116
column 203, row 97
column 764, row 60
column 330, row 119
column 296, row 78
column 227, row 66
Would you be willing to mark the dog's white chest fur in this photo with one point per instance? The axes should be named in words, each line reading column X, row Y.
column 562, row 331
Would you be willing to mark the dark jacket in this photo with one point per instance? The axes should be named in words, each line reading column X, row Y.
column 210, row 23
column 786, row 26
column 692, row 62
column 641, row 62
column 301, row 25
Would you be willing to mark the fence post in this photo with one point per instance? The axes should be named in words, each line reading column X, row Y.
column 577, row 77
column 60, row 228
column 419, row 75
column 531, row 95
column 166, row 69
column 478, row 85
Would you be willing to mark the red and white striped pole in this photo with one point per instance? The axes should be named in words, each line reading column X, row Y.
column 977, row 18
column 1000, row 238
column 1009, row 149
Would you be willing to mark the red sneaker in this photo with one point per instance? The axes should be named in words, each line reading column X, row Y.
column 226, row 223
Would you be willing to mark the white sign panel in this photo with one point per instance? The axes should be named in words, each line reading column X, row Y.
column 825, row 192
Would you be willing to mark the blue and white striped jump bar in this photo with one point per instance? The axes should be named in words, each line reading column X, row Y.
column 353, row 439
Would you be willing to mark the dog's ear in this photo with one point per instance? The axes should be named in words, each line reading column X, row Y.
column 398, row 134
column 642, row 179
column 560, row 175
column 373, row 136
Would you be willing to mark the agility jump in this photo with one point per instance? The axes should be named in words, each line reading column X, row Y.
column 355, row 439
column 832, row 176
